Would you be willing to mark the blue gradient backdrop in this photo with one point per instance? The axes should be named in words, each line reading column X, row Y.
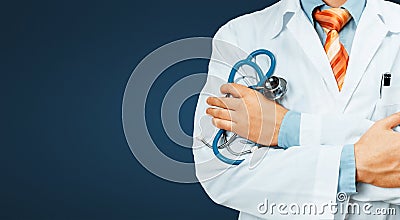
column 64, row 66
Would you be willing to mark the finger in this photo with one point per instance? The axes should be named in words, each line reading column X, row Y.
column 223, row 114
column 226, row 103
column 236, row 90
column 223, row 124
column 391, row 121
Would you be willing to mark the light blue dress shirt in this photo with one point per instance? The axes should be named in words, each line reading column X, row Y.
column 290, row 129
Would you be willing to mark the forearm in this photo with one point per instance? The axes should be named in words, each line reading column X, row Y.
column 336, row 129
column 290, row 136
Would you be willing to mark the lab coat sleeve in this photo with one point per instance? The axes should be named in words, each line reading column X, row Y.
column 300, row 175
column 289, row 135
column 342, row 129
column 339, row 129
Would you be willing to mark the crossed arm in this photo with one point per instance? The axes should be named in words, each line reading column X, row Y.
column 250, row 115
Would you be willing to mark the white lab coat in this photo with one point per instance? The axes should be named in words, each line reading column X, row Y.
column 330, row 119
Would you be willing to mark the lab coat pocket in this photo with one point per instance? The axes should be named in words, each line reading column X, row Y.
column 388, row 104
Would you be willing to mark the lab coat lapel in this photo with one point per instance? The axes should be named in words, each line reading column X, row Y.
column 303, row 31
column 368, row 37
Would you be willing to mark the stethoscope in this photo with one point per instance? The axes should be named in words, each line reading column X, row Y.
column 272, row 87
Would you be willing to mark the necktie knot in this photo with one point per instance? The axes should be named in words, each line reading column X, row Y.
column 332, row 19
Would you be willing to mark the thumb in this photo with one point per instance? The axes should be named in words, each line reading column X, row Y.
column 391, row 121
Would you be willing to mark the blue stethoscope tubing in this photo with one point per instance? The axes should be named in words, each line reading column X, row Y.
column 263, row 78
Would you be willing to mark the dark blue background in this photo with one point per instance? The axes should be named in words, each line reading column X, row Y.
column 64, row 66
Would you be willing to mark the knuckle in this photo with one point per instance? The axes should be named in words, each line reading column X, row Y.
column 218, row 113
column 216, row 102
column 229, row 114
column 225, row 115
column 221, row 104
column 237, row 86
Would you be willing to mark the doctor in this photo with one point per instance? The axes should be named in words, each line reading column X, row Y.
column 334, row 126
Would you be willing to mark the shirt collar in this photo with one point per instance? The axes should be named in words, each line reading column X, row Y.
column 355, row 7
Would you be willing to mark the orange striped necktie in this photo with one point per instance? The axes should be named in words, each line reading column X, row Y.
column 332, row 21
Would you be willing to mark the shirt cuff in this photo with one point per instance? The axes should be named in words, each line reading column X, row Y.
column 347, row 171
column 289, row 132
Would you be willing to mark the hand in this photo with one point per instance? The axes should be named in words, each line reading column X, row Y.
column 377, row 154
column 247, row 113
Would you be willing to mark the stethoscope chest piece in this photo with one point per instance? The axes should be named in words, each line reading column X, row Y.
column 274, row 88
